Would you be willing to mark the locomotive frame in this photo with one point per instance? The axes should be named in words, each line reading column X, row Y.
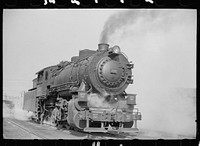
column 60, row 92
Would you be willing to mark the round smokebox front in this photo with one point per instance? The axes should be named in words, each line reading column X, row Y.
column 110, row 73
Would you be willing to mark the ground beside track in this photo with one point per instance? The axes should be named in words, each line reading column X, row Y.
column 32, row 130
column 11, row 131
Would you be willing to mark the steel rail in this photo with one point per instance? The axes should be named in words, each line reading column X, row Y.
column 107, row 135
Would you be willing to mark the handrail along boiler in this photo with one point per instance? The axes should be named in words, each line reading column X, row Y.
column 87, row 93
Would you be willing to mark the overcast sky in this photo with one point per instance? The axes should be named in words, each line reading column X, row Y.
column 34, row 39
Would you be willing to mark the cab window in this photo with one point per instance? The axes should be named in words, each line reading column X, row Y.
column 40, row 76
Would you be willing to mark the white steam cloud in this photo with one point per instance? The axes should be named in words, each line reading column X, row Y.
column 15, row 111
column 162, row 46
column 96, row 100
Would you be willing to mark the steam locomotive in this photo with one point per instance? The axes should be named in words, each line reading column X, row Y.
column 87, row 93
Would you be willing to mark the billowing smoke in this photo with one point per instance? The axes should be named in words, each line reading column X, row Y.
column 21, row 114
column 119, row 21
column 14, row 110
column 7, row 109
column 162, row 46
column 136, row 22
column 168, row 110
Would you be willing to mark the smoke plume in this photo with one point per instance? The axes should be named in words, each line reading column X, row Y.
column 119, row 24
column 162, row 46
column 119, row 21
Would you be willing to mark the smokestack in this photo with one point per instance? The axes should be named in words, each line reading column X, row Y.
column 102, row 47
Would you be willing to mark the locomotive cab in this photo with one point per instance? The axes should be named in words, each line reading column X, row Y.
column 42, row 82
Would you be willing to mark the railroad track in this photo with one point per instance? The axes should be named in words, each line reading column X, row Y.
column 108, row 135
column 94, row 135
column 27, row 130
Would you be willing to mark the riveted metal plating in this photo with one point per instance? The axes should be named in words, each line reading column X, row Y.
column 104, row 80
column 98, row 78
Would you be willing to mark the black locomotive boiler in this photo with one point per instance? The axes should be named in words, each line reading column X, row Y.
column 87, row 93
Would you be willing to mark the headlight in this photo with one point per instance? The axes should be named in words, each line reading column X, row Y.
column 116, row 49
